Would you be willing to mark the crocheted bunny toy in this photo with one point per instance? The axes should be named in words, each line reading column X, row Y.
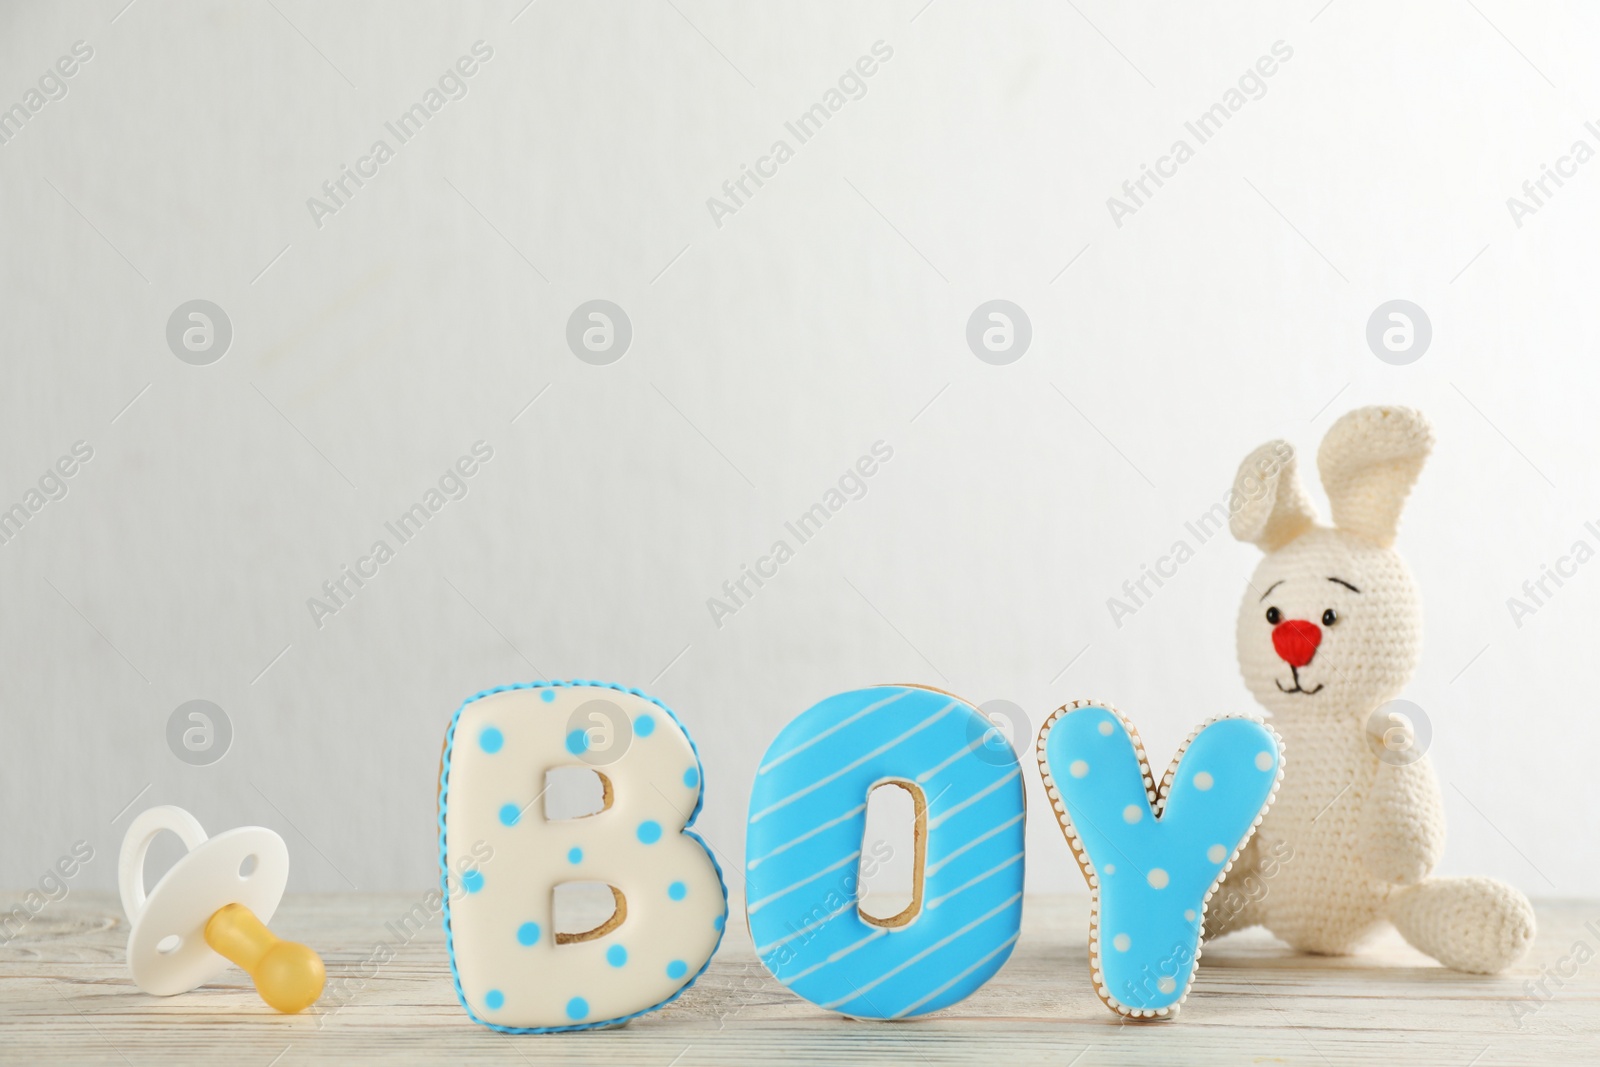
column 1329, row 631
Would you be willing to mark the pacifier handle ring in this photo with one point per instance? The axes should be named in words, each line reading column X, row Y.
column 144, row 829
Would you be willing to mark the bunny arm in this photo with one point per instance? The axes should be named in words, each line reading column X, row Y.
column 1401, row 829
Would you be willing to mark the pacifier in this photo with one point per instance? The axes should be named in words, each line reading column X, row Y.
column 211, row 908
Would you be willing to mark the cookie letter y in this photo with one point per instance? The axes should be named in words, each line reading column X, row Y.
column 1153, row 856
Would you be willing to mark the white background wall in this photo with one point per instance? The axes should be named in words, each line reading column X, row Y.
column 768, row 354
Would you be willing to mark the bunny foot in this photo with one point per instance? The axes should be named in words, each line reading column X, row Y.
column 1236, row 905
column 1229, row 916
column 1472, row 924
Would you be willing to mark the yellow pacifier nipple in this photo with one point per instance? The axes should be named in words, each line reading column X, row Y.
column 289, row 976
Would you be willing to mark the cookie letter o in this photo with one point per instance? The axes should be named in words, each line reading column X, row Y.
column 501, row 858
column 807, row 819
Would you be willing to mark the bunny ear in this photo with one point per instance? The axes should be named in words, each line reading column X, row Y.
column 1269, row 507
column 1369, row 462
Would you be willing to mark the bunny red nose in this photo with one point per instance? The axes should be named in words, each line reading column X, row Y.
column 1296, row 641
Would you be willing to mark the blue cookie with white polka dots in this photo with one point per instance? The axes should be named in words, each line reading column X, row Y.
column 1153, row 855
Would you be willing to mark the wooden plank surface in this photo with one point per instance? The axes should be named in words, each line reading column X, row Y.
column 65, row 998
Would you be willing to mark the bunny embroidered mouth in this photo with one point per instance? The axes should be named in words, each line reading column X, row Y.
column 1298, row 688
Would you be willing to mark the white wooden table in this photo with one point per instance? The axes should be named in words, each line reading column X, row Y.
column 65, row 998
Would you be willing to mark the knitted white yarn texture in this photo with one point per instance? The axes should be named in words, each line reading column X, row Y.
column 1359, row 824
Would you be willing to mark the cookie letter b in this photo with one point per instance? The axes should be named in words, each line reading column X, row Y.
column 513, row 970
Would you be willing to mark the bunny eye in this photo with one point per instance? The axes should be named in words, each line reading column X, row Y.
column 1330, row 617
column 1274, row 616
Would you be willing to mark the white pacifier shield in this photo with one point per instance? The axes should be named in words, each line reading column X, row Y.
column 167, row 950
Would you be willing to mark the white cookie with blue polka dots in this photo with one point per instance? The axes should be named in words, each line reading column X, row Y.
column 501, row 858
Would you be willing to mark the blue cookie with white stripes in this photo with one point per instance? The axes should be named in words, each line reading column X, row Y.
column 808, row 816
column 1153, row 856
